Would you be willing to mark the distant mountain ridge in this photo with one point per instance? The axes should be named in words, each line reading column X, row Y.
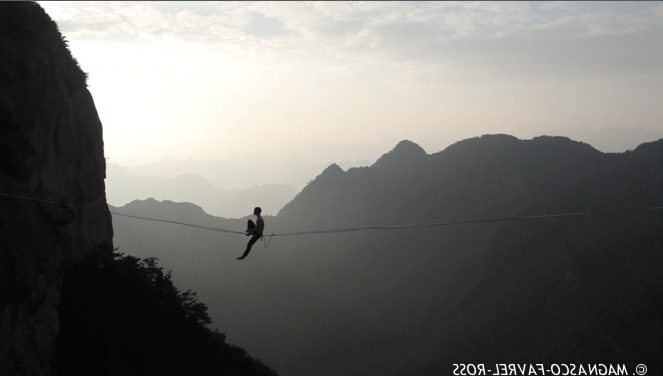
column 409, row 160
column 525, row 176
column 583, row 289
column 176, row 211
column 124, row 186
column 613, row 140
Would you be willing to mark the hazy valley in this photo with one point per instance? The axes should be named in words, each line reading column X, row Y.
column 411, row 301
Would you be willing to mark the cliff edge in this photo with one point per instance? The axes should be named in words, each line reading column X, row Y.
column 51, row 149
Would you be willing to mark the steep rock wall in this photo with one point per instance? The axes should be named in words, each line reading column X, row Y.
column 51, row 149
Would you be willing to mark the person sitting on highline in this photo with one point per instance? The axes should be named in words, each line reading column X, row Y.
column 256, row 229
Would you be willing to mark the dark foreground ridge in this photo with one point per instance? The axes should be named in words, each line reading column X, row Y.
column 121, row 315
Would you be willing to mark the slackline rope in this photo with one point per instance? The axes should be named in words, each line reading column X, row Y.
column 353, row 229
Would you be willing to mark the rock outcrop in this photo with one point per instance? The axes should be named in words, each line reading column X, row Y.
column 51, row 149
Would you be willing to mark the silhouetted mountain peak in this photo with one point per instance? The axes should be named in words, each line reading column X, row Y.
column 482, row 142
column 331, row 173
column 502, row 145
column 405, row 151
column 562, row 141
column 154, row 202
column 153, row 207
column 332, row 170
column 407, row 146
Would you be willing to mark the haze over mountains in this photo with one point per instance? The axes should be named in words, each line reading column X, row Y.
column 124, row 186
column 412, row 302
column 258, row 168
column 230, row 187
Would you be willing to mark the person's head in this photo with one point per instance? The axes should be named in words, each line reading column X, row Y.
column 257, row 210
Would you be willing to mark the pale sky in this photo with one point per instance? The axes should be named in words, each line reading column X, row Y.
column 338, row 81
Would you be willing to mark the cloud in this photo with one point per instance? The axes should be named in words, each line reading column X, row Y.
column 265, row 27
column 554, row 39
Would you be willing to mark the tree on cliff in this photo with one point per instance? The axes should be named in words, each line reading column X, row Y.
column 123, row 315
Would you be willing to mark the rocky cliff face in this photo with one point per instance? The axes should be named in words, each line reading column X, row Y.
column 50, row 149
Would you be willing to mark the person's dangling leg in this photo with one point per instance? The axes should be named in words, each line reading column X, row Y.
column 252, row 241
